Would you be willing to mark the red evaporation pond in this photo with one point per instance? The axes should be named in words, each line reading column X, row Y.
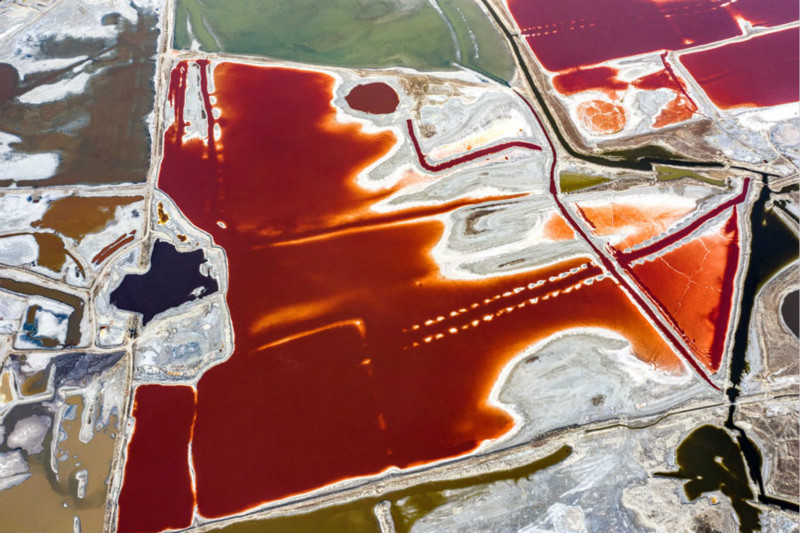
column 694, row 285
column 587, row 79
column 572, row 33
column 353, row 353
column 676, row 110
column 765, row 12
column 660, row 79
column 159, row 449
column 377, row 98
column 338, row 389
column 758, row 72
column 606, row 118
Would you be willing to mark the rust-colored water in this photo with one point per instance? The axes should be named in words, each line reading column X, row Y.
column 687, row 229
column 78, row 216
column 680, row 108
column 758, row 72
column 599, row 116
column 118, row 243
column 286, row 182
column 346, row 391
column 52, row 254
column 353, row 353
column 694, row 284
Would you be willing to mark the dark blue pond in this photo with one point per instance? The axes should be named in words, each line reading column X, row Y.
column 174, row 278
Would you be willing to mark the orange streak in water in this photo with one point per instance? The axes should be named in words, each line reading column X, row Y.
column 557, row 229
column 121, row 241
column 304, row 402
column 641, row 223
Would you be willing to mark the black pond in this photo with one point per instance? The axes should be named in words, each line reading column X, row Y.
column 709, row 459
column 174, row 278
column 790, row 309
column 773, row 246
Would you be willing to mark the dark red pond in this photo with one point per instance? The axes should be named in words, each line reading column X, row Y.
column 353, row 353
column 158, row 450
column 759, row 72
column 377, row 98
column 587, row 79
column 570, row 33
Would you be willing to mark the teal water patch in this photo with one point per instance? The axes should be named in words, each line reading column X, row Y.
column 481, row 45
column 420, row 34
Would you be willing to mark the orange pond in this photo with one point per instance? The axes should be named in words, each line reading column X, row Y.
column 353, row 353
column 678, row 109
column 694, row 285
column 634, row 224
column 602, row 117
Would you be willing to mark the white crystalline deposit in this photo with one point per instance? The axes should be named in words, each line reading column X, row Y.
column 13, row 469
column 16, row 165
column 29, row 434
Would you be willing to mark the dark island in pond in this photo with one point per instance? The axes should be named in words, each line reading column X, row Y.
column 791, row 312
column 174, row 278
